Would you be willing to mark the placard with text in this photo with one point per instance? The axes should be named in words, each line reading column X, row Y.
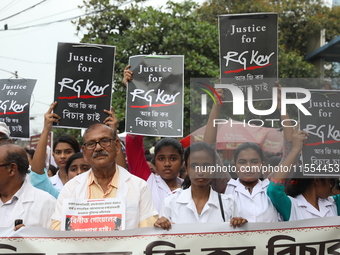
column 83, row 84
column 93, row 214
column 15, row 99
column 321, row 151
column 155, row 96
column 249, row 53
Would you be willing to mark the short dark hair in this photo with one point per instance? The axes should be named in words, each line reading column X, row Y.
column 246, row 146
column 17, row 155
column 73, row 157
column 197, row 146
column 168, row 141
column 69, row 140
column 30, row 152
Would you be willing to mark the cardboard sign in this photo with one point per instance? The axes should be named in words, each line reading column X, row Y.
column 248, row 53
column 15, row 99
column 155, row 96
column 83, row 84
column 93, row 214
column 321, row 152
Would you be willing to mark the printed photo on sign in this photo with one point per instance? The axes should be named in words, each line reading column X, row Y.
column 93, row 214
column 15, row 99
column 248, row 53
column 155, row 96
column 83, row 83
column 321, row 151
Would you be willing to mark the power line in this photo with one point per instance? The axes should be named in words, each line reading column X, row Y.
column 67, row 19
column 8, row 5
column 23, row 60
column 49, row 16
column 31, row 7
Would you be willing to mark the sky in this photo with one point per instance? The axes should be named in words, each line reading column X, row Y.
column 31, row 52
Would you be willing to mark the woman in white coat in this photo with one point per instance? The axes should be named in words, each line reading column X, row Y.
column 197, row 202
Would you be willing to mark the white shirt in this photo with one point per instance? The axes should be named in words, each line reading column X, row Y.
column 35, row 207
column 255, row 207
column 302, row 209
column 160, row 190
column 135, row 192
column 56, row 181
column 180, row 208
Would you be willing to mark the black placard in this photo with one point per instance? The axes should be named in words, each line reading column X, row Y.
column 248, row 53
column 321, row 152
column 15, row 98
column 83, row 84
column 155, row 96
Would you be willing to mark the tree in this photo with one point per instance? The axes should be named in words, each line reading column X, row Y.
column 176, row 30
column 192, row 30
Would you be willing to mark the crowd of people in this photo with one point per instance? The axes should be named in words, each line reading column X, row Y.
column 156, row 196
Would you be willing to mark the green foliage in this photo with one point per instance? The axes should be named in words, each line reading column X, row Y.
column 76, row 133
column 192, row 30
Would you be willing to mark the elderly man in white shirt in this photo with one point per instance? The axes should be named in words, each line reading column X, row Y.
column 18, row 198
column 108, row 180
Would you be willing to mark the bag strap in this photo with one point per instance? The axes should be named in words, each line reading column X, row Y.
column 221, row 206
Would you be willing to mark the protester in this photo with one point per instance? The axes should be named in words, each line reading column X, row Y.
column 306, row 197
column 76, row 165
column 52, row 170
column 249, row 191
column 18, row 198
column 168, row 162
column 197, row 202
column 63, row 148
column 5, row 133
column 106, row 179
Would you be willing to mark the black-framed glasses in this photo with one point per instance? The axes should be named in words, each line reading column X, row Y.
column 104, row 142
column 5, row 164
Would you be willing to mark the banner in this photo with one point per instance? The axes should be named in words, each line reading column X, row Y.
column 15, row 99
column 34, row 139
column 321, row 152
column 83, row 84
column 296, row 237
column 249, row 53
column 155, row 96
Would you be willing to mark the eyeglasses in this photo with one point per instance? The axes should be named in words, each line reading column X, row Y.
column 5, row 164
column 104, row 142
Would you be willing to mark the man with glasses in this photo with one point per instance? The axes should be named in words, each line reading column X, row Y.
column 19, row 200
column 4, row 133
column 106, row 179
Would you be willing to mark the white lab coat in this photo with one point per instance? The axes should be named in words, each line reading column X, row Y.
column 255, row 207
column 160, row 190
column 302, row 209
column 180, row 208
column 132, row 189
column 34, row 206
column 56, row 181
